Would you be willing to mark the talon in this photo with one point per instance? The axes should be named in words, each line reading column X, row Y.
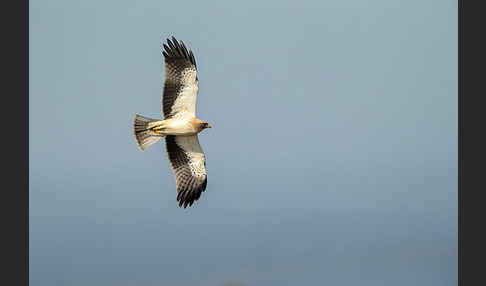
column 157, row 129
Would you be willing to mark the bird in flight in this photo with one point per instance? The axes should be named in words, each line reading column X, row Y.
column 180, row 125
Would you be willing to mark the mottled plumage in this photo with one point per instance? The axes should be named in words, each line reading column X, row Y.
column 180, row 125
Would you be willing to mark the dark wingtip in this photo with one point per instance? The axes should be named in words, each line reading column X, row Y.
column 177, row 49
column 187, row 198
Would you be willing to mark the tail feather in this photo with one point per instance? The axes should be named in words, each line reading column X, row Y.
column 143, row 135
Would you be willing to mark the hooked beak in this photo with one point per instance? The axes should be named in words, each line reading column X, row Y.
column 209, row 126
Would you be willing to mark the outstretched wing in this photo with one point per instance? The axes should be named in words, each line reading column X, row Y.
column 181, row 82
column 189, row 165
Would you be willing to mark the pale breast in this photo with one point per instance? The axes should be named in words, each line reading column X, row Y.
column 179, row 126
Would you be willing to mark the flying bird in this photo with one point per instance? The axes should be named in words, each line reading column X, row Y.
column 180, row 125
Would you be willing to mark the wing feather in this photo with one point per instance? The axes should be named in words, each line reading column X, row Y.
column 181, row 83
column 189, row 165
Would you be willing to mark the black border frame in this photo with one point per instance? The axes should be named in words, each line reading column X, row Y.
column 15, row 101
column 471, row 143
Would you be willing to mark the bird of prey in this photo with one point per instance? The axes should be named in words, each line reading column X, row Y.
column 180, row 125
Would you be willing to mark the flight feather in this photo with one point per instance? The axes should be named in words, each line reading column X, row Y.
column 181, row 83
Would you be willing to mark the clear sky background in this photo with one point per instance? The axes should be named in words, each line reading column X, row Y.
column 332, row 159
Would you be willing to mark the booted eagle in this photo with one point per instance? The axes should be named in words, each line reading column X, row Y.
column 180, row 125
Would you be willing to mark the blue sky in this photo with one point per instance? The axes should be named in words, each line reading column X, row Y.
column 332, row 158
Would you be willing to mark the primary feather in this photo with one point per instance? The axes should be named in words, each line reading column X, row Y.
column 189, row 165
column 181, row 82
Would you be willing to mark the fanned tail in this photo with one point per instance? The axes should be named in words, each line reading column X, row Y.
column 144, row 136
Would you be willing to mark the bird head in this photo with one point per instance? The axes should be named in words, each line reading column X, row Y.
column 206, row 125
